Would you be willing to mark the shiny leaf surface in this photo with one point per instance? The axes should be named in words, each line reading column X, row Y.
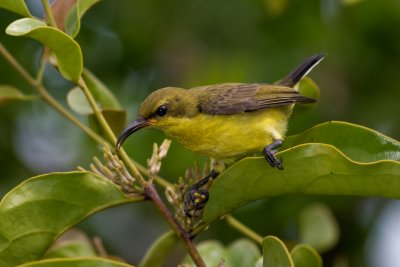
column 357, row 142
column 73, row 20
column 17, row 6
column 66, row 50
column 309, row 169
column 41, row 208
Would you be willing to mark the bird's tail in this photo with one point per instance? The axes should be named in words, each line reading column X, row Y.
column 302, row 70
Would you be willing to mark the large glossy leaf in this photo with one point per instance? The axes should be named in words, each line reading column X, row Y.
column 9, row 93
column 17, row 6
column 275, row 253
column 67, row 51
column 77, row 262
column 40, row 209
column 73, row 21
column 357, row 142
column 309, row 169
column 159, row 251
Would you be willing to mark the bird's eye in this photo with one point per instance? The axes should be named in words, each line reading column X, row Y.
column 162, row 110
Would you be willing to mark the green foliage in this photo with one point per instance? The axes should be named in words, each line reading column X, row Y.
column 9, row 93
column 357, row 142
column 66, row 50
column 275, row 253
column 159, row 251
column 313, row 168
column 318, row 227
column 305, row 256
column 73, row 20
column 241, row 252
column 17, row 6
column 334, row 158
column 72, row 244
column 34, row 213
column 100, row 91
column 76, row 262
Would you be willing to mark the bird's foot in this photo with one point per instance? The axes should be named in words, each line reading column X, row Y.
column 269, row 153
column 196, row 197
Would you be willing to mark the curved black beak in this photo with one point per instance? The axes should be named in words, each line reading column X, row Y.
column 138, row 124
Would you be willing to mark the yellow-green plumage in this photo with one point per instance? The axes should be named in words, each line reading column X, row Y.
column 220, row 137
column 225, row 121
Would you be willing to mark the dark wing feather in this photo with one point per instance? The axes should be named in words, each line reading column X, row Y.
column 233, row 98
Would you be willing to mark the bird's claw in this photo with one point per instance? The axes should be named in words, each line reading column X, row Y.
column 269, row 153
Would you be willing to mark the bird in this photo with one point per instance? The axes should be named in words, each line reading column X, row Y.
column 225, row 122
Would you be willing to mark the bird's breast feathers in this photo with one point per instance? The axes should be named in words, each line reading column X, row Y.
column 228, row 137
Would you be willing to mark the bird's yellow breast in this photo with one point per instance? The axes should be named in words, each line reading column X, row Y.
column 228, row 137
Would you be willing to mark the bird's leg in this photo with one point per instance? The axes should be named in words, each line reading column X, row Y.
column 196, row 197
column 269, row 153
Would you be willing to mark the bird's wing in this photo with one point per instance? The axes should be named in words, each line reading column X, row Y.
column 233, row 98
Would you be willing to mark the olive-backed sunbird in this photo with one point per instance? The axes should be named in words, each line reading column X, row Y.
column 224, row 121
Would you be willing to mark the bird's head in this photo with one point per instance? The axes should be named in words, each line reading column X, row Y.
column 161, row 109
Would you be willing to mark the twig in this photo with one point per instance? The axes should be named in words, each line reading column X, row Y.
column 243, row 229
column 41, row 90
column 152, row 194
column 49, row 13
column 150, row 191
column 110, row 135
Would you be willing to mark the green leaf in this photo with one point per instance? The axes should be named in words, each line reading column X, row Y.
column 76, row 262
column 159, row 251
column 242, row 252
column 212, row 252
column 116, row 118
column 103, row 96
column 71, row 244
column 17, row 6
column 275, row 253
column 100, row 92
column 318, row 227
column 357, row 142
column 309, row 169
column 76, row 99
column 305, row 256
column 73, row 21
column 66, row 50
column 34, row 213
column 9, row 93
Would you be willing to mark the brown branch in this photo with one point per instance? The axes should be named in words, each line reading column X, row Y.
column 151, row 193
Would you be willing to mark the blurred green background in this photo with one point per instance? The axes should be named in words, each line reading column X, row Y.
column 136, row 47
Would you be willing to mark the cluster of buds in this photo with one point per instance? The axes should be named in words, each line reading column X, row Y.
column 176, row 195
column 114, row 169
column 154, row 163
